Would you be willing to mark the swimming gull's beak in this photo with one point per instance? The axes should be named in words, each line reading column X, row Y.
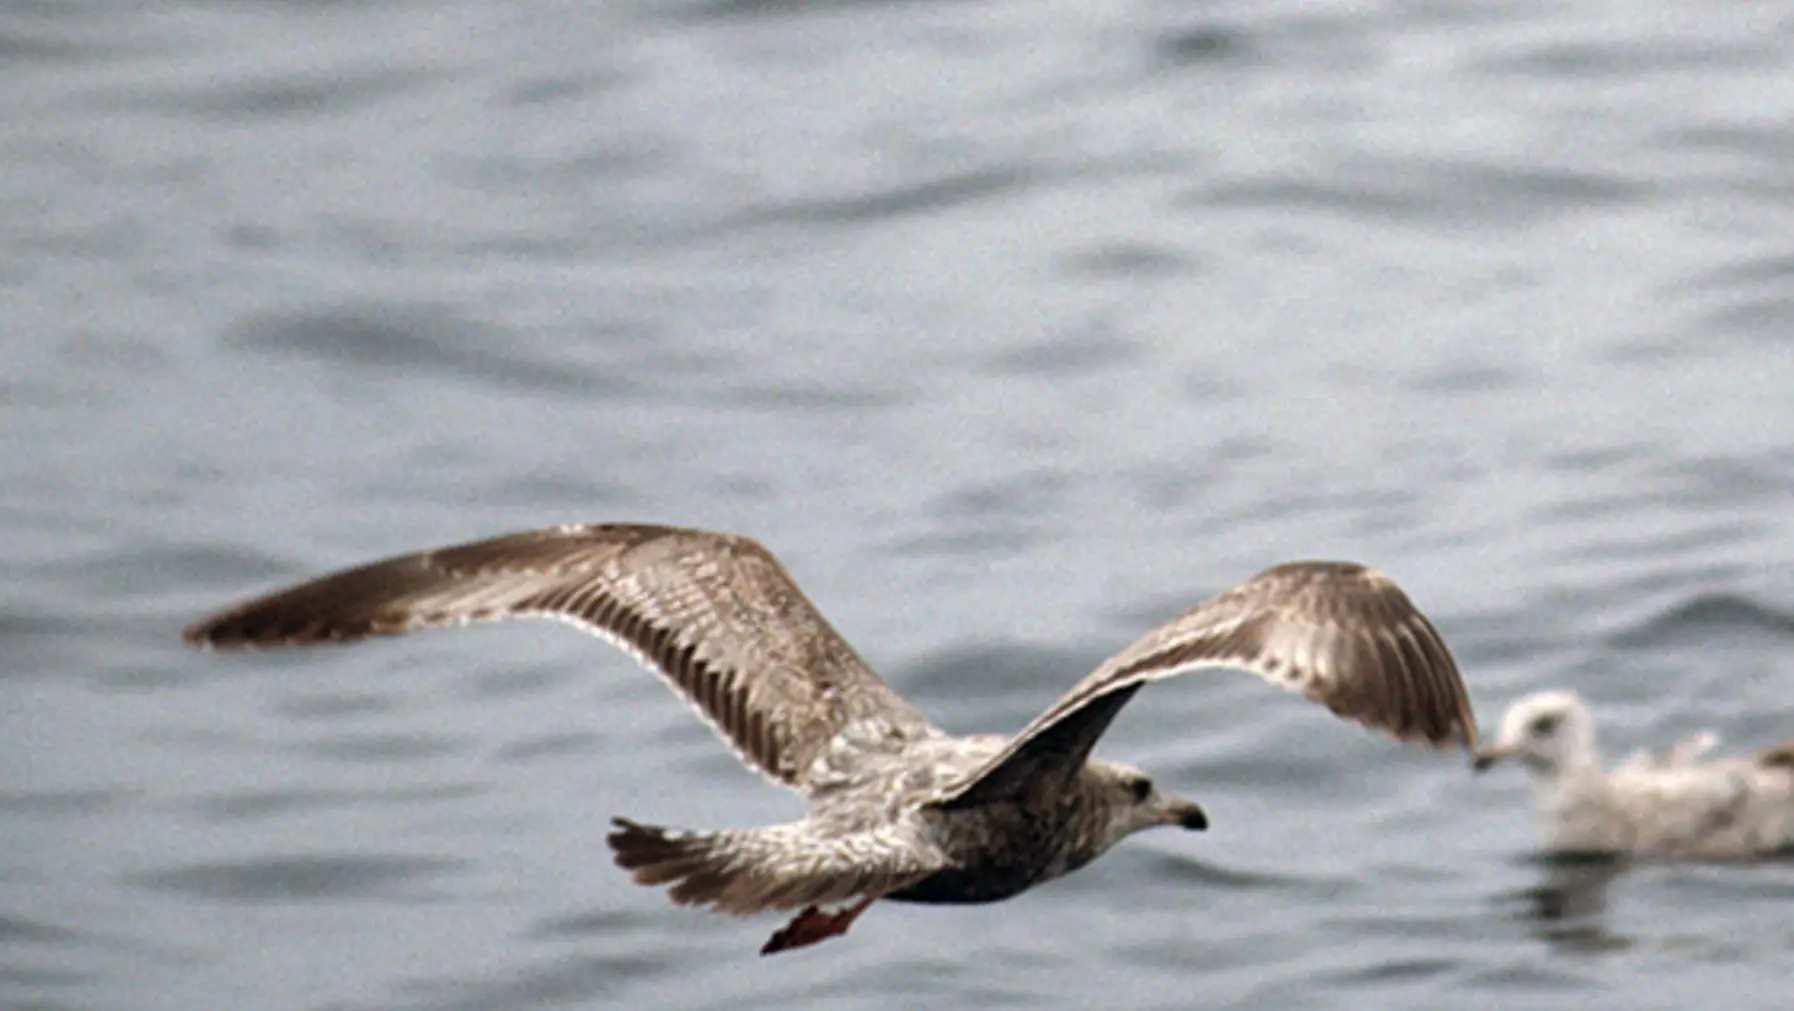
column 1186, row 813
column 1488, row 755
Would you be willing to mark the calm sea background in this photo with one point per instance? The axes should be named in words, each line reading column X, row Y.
column 1014, row 329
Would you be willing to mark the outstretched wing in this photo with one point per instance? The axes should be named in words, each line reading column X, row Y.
column 1338, row 633
column 716, row 615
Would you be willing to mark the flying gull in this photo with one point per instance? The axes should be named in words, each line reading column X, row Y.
column 899, row 809
column 1668, row 802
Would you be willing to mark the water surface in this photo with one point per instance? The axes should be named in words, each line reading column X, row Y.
column 1013, row 329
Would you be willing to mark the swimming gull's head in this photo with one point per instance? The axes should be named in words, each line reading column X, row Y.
column 1549, row 731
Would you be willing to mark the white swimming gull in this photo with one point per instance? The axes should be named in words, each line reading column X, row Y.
column 899, row 809
column 1668, row 802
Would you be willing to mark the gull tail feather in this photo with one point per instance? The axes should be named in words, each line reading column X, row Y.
column 741, row 872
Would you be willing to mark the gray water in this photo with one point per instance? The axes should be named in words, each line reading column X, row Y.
column 1013, row 329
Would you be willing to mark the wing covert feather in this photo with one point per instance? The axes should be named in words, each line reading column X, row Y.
column 715, row 615
column 1336, row 633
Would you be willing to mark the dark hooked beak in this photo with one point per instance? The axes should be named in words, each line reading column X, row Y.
column 1488, row 756
column 1186, row 813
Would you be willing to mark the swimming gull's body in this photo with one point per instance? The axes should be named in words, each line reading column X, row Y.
column 899, row 809
column 1668, row 802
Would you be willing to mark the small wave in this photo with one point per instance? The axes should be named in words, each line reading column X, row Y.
column 251, row 805
column 1202, row 46
column 897, row 201
column 255, row 804
column 574, row 981
column 389, row 748
column 1775, row 269
column 19, row 803
column 17, row 626
column 1424, row 192
column 274, row 879
column 578, row 742
column 811, row 397
column 1471, row 377
column 1704, row 617
column 1770, row 317
column 1212, row 875
column 969, row 543
column 1129, row 260
column 992, row 672
column 1022, row 493
column 585, row 926
column 1070, row 355
column 16, row 930
column 1620, row 57
column 724, row 10
column 418, row 339
column 1400, row 970
column 342, row 90
column 334, row 706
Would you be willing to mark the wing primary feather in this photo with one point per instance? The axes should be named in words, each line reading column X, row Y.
column 714, row 614
column 1337, row 633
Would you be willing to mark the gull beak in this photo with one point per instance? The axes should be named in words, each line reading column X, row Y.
column 1186, row 814
column 1485, row 757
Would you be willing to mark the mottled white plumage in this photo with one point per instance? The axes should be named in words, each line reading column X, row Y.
column 1668, row 802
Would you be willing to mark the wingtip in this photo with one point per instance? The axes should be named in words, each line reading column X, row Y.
column 198, row 635
column 1457, row 741
column 1423, row 728
column 215, row 634
column 1461, row 724
column 1467, row 738
column 1458, row 733
column 1455, row 738
column 253, row 629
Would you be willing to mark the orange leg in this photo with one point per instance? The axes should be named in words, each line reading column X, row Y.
column 814, row 925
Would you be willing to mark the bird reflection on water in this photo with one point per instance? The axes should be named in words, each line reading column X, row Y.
column 1566, row 908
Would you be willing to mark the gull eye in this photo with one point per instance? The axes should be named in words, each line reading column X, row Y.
column 1141, row 789
column 1544, row 725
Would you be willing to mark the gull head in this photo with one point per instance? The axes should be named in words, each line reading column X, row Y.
column 1549, row 731
column 1133, row 804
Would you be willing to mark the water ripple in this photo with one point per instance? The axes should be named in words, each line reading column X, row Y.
column 1705, row 618
column 416, row 340
column 385, row 748
column 897, row 201
column 1419, row 192
column 16, row 930
column 287, row 96
column 568, row 981
column 57, row 803
column 324, row 877
column 1080, row 354
column 251, row 805
column 550, row 746
column 1625, row 58
column 961, row 298
column 1212, row 875
column 1203, row 46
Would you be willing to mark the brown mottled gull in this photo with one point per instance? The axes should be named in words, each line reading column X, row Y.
column 898, row 808
column 1670, row 802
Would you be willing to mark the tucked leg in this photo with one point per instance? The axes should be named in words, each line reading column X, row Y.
column 813, row 925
